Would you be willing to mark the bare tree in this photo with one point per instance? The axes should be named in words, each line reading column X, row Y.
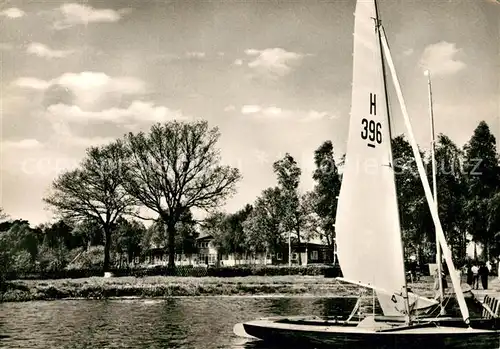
column 94, row 192
column 176, row 167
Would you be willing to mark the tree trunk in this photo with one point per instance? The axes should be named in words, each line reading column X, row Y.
column 107, row 248
column 298, row 246
column 171, row 245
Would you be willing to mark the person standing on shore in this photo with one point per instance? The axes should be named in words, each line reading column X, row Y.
column 475, row 271
column 470, row 275
column 483, row 274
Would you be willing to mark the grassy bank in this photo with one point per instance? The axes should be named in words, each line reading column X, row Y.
column 168, row 286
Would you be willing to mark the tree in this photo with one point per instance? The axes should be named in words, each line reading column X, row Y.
column 323, row 199
column 288, row 173
column 263, row 229
column 482, row 175
column 177, row 167
column 185, row 239
column 128, row 237
column 416, row 221
column 451, row 191
column 3, row 215
column 227, row 230
column 94, row 191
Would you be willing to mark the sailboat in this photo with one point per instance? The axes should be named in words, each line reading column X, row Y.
column 368, row 232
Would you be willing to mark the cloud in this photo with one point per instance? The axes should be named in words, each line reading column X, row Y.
column 275, row 113
column 64, row 137
column 13, row 13
column 273, row 62
column 230, row 108
column 75, row 14
column 44, row 51
column 238, row 62
column 137, row 111
column 88, row 87
column 440, row 59
column 28, row 143
column 250, row 109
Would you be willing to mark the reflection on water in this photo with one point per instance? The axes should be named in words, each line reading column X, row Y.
column 172, row 323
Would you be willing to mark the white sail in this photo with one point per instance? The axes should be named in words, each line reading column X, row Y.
column 367, row 224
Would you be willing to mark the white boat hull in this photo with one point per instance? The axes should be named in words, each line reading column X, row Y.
column 373, row 334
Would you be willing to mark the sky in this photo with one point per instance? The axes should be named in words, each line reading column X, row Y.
column 273, row 76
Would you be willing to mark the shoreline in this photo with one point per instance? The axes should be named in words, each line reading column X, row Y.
column 164, row 287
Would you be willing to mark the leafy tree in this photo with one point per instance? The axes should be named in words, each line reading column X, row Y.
column 88, row 233
column 176, row 167
column 94, row 191
column 323, row 199
column 60, row 233
column 288, row 173
column 185, row 239
column 482, row 174
column 451, row 191
column 227, row 230
column 263, row 229
column 128, row 237
column 416, row 221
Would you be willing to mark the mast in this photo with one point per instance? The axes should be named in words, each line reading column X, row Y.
column 434, row 187
column 405, row 286
column 430, row 201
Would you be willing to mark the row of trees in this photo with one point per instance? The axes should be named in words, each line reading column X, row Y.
column 176, row 167
column 468, row 182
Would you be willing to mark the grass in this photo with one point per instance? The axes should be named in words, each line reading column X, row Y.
column 168, row 286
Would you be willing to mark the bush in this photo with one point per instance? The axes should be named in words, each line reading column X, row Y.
column 189, row 271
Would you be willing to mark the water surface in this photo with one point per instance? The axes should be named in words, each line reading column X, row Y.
column 191, row 323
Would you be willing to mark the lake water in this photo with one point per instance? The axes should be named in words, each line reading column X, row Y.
column 188, row 323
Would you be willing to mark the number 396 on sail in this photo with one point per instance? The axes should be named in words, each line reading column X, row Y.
column 371, row 129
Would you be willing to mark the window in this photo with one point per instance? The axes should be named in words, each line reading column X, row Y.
column 212, row 259
column 279, row 256
column 136, row 260
column 314, row 255
column 294, row 256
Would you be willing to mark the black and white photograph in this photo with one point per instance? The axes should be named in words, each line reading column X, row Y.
column 250, row 174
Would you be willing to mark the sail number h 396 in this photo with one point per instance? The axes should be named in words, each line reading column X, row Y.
column 372, row 131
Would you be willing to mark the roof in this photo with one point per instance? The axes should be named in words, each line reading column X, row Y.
column 205, row 237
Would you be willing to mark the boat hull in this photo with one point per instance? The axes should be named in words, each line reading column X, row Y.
column 341, row 335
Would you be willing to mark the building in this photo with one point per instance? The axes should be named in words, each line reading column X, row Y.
column 208, row 255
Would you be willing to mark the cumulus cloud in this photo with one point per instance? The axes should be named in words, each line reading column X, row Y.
column 238, row 62
column 137, row 111
column 65, row 137
column 41, row 50
column 440, row 59
column 250, row 109
column 28, row 143
column 275, row 113
column 273, row 62
column 88, row 87
column 91, row 86
column 13, row 13
column 75, row 14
